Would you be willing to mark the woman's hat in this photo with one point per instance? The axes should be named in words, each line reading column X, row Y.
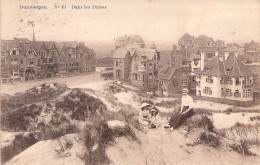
column 144, row 105
column 154, row 110
column 185, row 89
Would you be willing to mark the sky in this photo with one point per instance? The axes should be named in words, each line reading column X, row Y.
column 154, row 20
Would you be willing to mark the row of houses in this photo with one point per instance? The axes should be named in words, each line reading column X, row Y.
column 249, row 52
column 22, row 59
column 203, row 66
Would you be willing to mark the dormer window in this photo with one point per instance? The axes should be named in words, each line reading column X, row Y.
column 14, row 52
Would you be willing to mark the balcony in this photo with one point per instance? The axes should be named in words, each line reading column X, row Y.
column 238, row 82
column 237, row 94
column 247, row 85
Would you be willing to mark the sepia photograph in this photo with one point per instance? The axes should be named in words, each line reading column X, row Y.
column 140, row 82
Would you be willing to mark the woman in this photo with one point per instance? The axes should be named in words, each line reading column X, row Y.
column 184, row 113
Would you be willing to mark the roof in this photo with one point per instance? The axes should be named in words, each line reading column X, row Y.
column 251, row 43
column 36, row 45
column 165, row 57
column 167, row 72
column 230, row 67
column 148, row 53
column 120, row 53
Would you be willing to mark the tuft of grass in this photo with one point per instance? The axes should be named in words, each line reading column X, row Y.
column 242, row 148
column 209, row 139
column 98, row 137
column 169, row 104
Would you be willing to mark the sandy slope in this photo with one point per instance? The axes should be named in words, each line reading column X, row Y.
column 163, row 147
column 46, row 153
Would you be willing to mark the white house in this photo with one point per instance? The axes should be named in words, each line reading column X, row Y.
column 225, row 77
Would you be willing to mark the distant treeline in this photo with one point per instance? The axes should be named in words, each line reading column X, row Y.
column 104, row 62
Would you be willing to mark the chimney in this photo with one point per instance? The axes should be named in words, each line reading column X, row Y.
column 216, row 53
column 174, row 47
column 226, row 55
column 202, row 61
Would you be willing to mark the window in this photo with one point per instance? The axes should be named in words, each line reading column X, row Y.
column 116, row 63
column 45, row 60
column 30, row 64
column 154, row 57
column 21, row 61
column 229, row 80
column 15, row 72
column 150, row 66
column 237, row 94
column 209, row 79
column 207, row 90
column 14, row 61
column 237, row 81
column 53, row 52
column 136, row 67
column 134, row 76
column 222, row 92
column 14, row 52
column 184, row 82
column 143, row 77
column 120, row 63
column 50, row 60
column 228, row 92
column 42, row 53
column 150, row 76
column 198, row 84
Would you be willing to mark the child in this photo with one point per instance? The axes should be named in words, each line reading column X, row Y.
column 144, row 114
column 154, row 112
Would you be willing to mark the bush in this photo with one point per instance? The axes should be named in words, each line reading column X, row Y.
column 33, row 95
column 19, row 120
column 206, row 123
column 20, row 143
column 209, row 139
column 242, row 148
column 81, row 105
column 54, row 132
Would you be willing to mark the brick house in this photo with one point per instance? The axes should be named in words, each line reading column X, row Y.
column 175, row 75
column 12, row 59
column 122, row 64
column 144, row 67
column 252, row 52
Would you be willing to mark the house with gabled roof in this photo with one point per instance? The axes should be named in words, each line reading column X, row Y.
column 122, row 63
column 252, row 51
column 12, row 59
column 174, row 72
column 225, row 77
